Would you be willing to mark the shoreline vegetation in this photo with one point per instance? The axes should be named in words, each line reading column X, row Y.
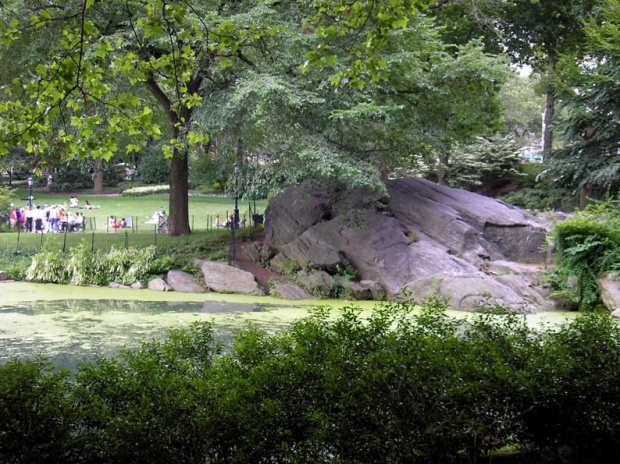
column 393, row 386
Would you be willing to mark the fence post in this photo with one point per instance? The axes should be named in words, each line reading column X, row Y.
column 126, row 239
column 136, row 224
column 64, row 243
column 192, row 222
column 92, row 242
column 155, row 230
column 19, row 230
column 41, row 245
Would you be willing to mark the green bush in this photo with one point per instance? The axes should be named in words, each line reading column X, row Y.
column 154, row 167
column 70, row 180
column 15, row 263
column 36, row 424
column 588, row 246
column 542, row 199
column 396, row 386
column 81, row 266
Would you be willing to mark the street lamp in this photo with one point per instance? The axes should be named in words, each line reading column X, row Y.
column 29, row 183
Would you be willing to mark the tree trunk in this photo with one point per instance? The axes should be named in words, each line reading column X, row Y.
column 178, row 221
column 442, row 167
column 549, row 106
column 98, row 176
column 584, row 196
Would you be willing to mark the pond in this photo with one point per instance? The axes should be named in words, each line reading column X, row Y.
column 67, row 324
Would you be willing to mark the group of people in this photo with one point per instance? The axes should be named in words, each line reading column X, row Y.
column 230, row 221
column 74, row 202
column 115, row 223
column 45, row 219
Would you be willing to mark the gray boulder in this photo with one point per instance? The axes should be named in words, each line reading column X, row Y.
column 159, row 285
column 3, row 276
column 367, row 290
column 290, row 292
column 477, row 291
column 610, row 292
column 117, row 285
column 183, row 282
column 258, row 253
column 292, row 212
column 220, row 277
column 318, row 283
column 428, row 238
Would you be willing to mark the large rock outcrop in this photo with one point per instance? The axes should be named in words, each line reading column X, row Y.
column 424, row 238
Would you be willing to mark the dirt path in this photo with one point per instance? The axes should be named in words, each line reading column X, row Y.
column 261, row 274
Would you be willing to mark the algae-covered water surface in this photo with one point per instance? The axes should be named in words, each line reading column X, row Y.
column 67, row 324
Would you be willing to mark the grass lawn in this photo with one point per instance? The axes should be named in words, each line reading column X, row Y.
column 212, row 243
column 202, row 210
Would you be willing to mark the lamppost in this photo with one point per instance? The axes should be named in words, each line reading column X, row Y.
column 29, row 183
column 234, row 224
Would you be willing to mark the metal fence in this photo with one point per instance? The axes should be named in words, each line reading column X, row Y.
column 142, row 224
column 215, row 235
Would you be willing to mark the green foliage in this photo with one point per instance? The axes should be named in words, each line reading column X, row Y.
column 523, row 106
column 588, row 246
column 70, row 179
column 396, row 386
column 7, row 197
column 81, row 266
column 346, row 270
column 154, row 168
column 487, row 159
column 590, row 126
column 15, row 263
column 37, row 413
column 542, row 199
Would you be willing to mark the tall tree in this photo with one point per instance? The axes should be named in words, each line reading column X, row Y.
column 416, row 95
column 180, row 51
column 536, row 33
column 591, row 129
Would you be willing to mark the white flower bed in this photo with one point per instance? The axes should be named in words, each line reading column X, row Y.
column 146, row 190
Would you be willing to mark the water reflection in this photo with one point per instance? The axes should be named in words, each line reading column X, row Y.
column 68, row 331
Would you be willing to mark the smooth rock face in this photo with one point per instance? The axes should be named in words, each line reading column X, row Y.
column 293, row 212
column 159, row 285
column 220, row 277
column 291, row 292
column 183, row 282
column 429, row 238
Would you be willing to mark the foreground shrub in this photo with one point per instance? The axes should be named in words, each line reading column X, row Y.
column 36, row 423
column 392, row 387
